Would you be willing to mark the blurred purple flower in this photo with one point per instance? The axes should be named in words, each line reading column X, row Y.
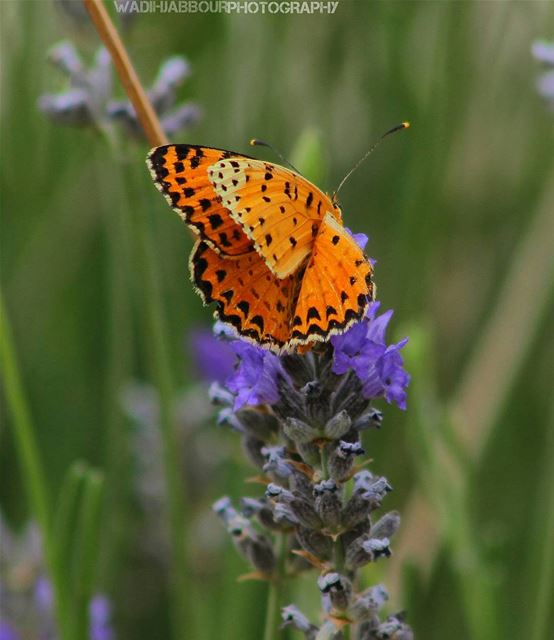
column 26, row 600
column 7, row 632
column 43, row 594
column 88, row 100
column 543, row 51
column 379, row 367
column 100, row 615
column 214, row 358
column 173, row 72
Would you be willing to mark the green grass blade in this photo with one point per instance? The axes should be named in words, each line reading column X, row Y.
column 30, row 461
column 86, row 551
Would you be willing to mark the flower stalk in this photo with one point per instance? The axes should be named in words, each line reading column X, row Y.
column 127, row 74
column 301, row 418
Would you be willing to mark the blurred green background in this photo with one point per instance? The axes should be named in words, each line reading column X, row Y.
column 459, row 210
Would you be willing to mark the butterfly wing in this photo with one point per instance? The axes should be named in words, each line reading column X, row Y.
column 247, row 295
column 336, row 286
column 279, row 210
column 180, row 172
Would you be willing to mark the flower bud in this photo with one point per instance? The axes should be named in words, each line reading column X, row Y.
column 342, row 457
column 228, row 418
column 338, row 425
column 260, row 554
column 224, row 509
column 219, row 395
column 337, row 591
column 363, row 550
column 328, row 503
column 368, row 603
column 370, row 419
column 299, row 431
column 284, row 516
column 315, row 543
column 386, row 526
column 317, row 401
column 394, row 628
column 275, row 464
column 292, row 616
column 259, row 508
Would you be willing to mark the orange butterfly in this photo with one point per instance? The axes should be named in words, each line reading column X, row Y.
column 273, row 253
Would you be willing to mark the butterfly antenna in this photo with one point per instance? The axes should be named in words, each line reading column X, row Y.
column 260, row 143
column 399, row 127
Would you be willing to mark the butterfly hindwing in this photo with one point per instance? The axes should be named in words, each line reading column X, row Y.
column 336, row 286
column 180, row 172
column 247, row 295
column 279, row 210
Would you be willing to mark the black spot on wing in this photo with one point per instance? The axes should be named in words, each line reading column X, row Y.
column 215, row 220
column 224, row 239
column 313, row 313
column 244, row 307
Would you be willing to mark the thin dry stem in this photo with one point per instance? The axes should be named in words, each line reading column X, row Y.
column 126, row 72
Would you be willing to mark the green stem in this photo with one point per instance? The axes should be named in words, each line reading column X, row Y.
column 324, row 458
column 543, row 583
column 275, row 591
column 86, row 552
column 30, row 462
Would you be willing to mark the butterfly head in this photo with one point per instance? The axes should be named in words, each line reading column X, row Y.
column 337, row 211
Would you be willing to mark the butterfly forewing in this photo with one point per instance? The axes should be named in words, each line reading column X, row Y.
column 279, row 210
column 180, row 173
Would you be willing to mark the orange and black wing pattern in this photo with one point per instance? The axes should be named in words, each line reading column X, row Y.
column 180, row 172
column 273, row 254
column 247, row 295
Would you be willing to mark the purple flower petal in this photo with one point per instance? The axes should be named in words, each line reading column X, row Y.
column 359, row 238
column 255, row 380
column 379, row 367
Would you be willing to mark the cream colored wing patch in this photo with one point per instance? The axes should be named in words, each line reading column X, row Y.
column 279, row 210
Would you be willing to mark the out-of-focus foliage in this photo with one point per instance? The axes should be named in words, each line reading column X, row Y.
column 459, row 214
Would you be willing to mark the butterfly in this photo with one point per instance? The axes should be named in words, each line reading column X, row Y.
column 272, row 251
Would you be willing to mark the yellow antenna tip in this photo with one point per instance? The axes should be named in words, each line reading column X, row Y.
column 253, row 142
column 406, row 125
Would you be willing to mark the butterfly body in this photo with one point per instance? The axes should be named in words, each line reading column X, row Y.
column 272, row 253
